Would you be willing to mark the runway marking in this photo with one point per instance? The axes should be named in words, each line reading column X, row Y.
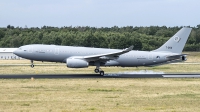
column 181, row 76
column 61, row 76
column 185, row 63
column 107, row 75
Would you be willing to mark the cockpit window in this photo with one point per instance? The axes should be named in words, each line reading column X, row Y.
column 21, row 48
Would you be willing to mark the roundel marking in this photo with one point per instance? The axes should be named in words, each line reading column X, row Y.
column 177, row 39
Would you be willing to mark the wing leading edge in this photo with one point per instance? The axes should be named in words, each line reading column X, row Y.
column 107, row 56
column 104, row 57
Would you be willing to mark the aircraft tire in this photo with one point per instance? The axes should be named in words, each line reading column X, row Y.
column 96, row 70
column 32, row 66
column 101, row 73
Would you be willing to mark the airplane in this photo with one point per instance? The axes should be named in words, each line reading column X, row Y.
column 81, row 57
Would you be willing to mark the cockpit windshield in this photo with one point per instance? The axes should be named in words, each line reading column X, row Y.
column 20, row 48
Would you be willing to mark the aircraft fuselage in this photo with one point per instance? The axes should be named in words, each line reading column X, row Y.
column 54, row 53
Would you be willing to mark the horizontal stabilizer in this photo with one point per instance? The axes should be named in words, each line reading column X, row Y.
column 176, row 56
column 168, row 62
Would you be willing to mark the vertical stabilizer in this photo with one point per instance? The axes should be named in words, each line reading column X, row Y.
column 177, row 42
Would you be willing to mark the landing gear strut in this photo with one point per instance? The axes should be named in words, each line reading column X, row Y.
column 98, row 70
column 32, row 65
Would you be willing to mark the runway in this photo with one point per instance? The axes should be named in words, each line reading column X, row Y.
column 67, row 76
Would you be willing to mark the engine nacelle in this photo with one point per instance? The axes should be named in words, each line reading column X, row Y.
column 184, row 58
column 76, row 63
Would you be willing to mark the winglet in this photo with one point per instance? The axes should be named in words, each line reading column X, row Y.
column 128, row 49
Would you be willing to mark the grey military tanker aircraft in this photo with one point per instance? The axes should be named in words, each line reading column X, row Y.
column 80, row 57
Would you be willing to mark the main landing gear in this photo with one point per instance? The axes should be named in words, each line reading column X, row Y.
column 98, row 70
column 32, row 65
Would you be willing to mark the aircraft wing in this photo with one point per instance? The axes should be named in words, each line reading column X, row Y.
column 107, row 56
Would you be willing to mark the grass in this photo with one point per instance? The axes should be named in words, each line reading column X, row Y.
column 103, row 90
column 124, row 95
column 62, row 69
column 193, row 56
column 83, row 95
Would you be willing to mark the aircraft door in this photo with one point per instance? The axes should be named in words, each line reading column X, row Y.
column 56, row 51
column 150, row 56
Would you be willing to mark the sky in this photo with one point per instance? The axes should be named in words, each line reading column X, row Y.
column 99, row 13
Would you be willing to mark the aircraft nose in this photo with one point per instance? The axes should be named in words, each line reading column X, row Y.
column 16, row 52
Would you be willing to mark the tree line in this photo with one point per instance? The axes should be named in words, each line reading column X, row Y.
column 143, row 38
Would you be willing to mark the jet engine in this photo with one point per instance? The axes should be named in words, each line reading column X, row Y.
column 184, row 58
column 76, row 63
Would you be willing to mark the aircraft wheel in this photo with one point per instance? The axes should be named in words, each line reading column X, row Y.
column 101, row 73
column 96, row 70
column 32, row 66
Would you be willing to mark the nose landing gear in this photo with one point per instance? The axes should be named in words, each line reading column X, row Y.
column 32, row 65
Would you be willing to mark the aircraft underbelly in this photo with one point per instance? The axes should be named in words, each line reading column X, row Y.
column 128, row 62
column 131, row 62
column 45, row 57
